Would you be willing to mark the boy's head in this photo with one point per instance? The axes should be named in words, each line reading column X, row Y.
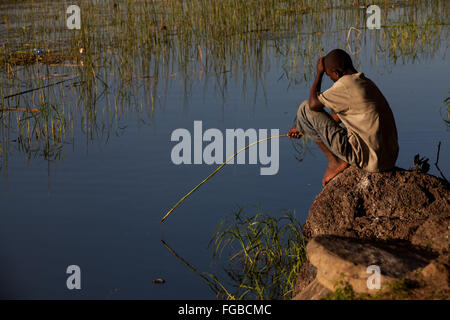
column 338, row 63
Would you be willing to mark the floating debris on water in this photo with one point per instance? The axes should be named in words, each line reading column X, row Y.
column 159, row 281
column 18, row 109
column 26, row 58
column 38, row 51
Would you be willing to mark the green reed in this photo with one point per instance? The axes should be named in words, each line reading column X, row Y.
column 446, row 104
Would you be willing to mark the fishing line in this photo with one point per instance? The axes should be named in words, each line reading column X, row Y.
column 217, row 170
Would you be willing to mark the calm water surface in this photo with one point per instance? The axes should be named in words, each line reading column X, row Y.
column 99, row 205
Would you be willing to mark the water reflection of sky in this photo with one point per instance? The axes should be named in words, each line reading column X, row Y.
column 100, row 208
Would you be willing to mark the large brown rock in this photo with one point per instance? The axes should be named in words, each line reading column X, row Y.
column 399, row 204
column 399, row 220
column 338, row 258
column 313, row 291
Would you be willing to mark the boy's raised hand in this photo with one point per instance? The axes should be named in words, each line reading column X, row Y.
column 294, row 133
column 320, row 66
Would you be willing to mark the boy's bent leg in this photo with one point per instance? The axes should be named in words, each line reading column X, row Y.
column 304, row 123
column 329, row 136
column 320, row 127
column 335, row 164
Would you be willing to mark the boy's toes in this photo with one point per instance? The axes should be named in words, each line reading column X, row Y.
column 330, row 173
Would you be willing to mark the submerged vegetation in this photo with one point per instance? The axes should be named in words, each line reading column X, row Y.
column 260, row 256
column 86, row 83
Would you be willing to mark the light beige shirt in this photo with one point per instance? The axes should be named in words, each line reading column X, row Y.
column 369, row 120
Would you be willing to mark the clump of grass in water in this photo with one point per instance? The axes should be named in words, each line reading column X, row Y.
column 263, row 255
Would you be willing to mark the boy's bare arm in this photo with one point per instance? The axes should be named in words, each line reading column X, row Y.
column 335, row 117
column 314, row 103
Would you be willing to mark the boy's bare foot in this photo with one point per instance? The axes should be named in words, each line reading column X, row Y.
column 334, row 168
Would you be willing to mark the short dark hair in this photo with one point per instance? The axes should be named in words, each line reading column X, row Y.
column 338, row 60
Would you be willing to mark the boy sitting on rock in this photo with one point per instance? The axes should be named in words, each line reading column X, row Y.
column 369, row 138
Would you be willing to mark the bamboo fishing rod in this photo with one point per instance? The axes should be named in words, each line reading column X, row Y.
column 217, row 170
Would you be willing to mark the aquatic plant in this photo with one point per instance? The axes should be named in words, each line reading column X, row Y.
column 261, row 254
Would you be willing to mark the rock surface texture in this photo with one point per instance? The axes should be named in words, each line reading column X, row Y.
column 397, row 220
